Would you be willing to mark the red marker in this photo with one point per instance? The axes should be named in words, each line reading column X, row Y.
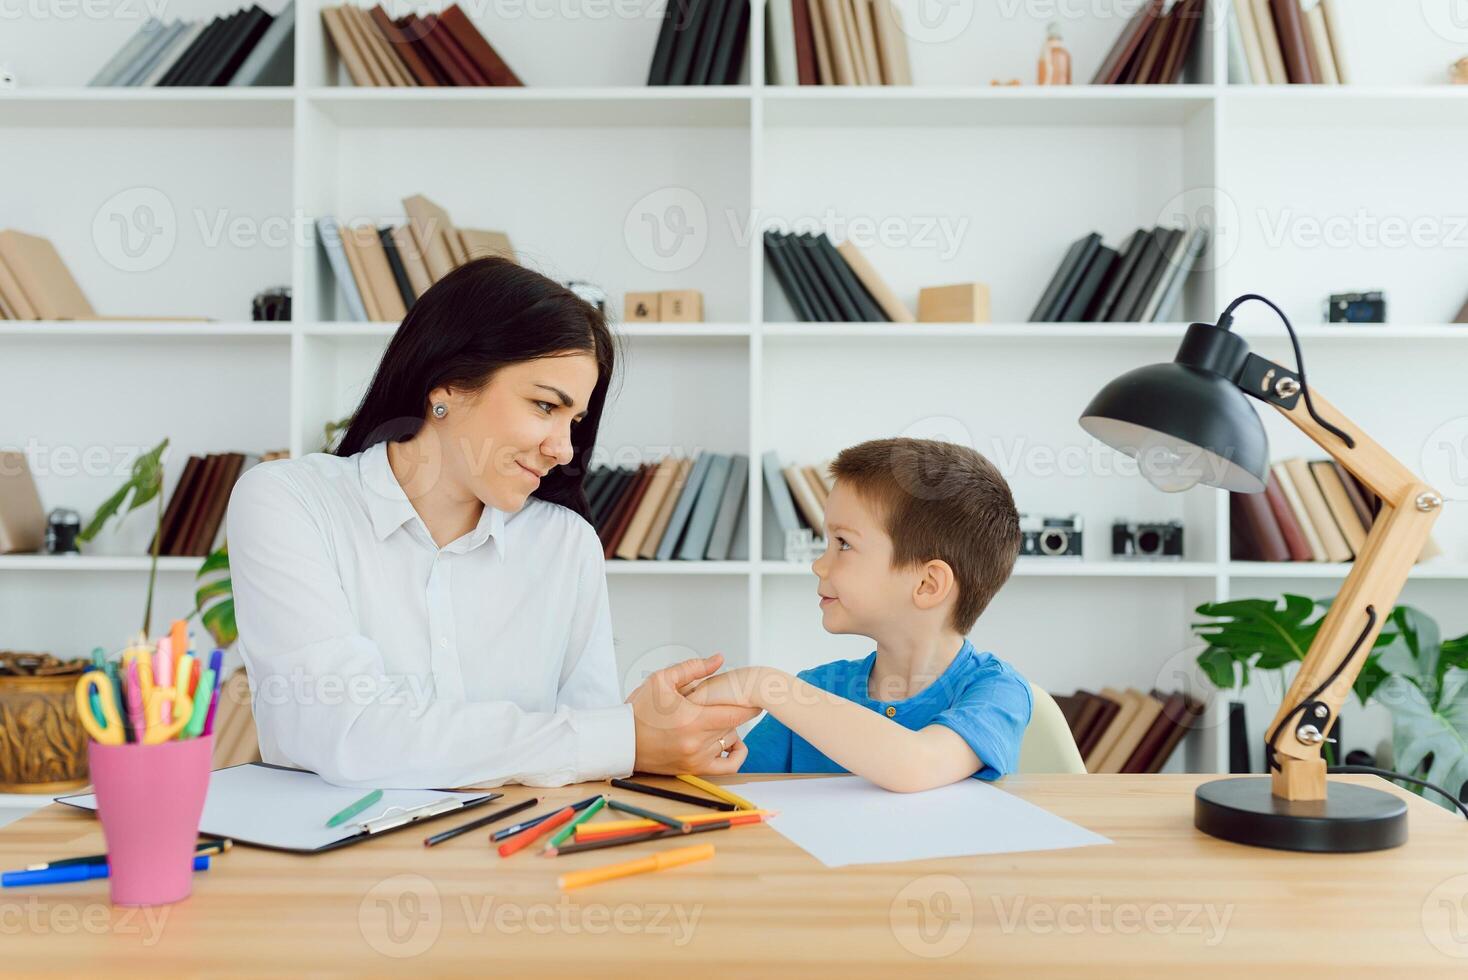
column 531, row 834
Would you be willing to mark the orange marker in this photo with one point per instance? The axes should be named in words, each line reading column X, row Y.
column 595, row 832
column 530, row 835
column 656, row 862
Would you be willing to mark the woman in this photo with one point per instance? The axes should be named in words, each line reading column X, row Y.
column 428, row 605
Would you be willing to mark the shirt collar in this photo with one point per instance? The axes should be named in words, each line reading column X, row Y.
column 390, row 508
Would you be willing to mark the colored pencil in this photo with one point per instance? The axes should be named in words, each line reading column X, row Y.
column 682, row 826
column 637, row 837
column 500, row 835
column 561, row 836
column 526, row 838
column 717, row 791
column 669, row 794
column 481, row 822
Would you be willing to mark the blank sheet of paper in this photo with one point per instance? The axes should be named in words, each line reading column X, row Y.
column 846, row 820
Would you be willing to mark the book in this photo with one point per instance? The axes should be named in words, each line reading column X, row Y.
column 191, row 507
column 177, row 46
column 404, row 53
column 149, row 31
column 22, row 517
column 1312, row 59
column 1121, row 270
column 236, row 46
column 1172, row 711
column 821, row 41
column 351, row 249
column 440, row 50
column 847, row 308
column 272, row 60
column 213, row 504
column 685, row 48
column 802, row 42
column 1148, row 58
column 1150, row 269
column 1339, row 504
column 18, row 306
column 866, row 36
column 665, row 512
column 148, row 58
column 701, row 67
column 1284, row 518
column 1290, row 28
column 781, row 265
column 1066, row 277
column 1238, row 58
column 1089, row 285
column 705, row 509
column 1259, row 532
column 647, row 509
column 1189, row 21
column 1106, row 711
column 1355, row 494
column 780, row 498
column 1128, row 704
column 390, row 67
column 476, row 243
column 1318, row 34
column 620, row 515
column 1331, row 9
column 378, row 282
column 891, row 43
column 42, row 278
column 207, row 51
column 1310, row 496
column 432, row 230
column 678, row 522
column 1130, row 39
column 395, row 264
column 730, row 508
column 668, row 33
column 817, row 485
column 838, row 41
column 1269, row 41
column 868, row 309
column 412, row 259
column 1182, row 723
column 814, row 284
column 616, row 485
column 1148, row 708
column 478, row 49
column 805, row 500
column 1171, row 293
column 329, row 234
column 1297, row 507
column 345, row 44
column 1243, row 12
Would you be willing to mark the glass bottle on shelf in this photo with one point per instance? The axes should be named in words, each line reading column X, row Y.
column 1054, row 59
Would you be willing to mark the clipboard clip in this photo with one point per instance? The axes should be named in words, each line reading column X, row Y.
column 390, row 819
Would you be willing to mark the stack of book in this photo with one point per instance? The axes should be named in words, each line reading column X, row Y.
column 35, row 283
column 247, row 47
column 1139, row 282
column 383, row 270
column 1309, row 511
column 193, row 521
column 1285, row 42
column 673, row 509
column 1128, row 730
column 1153, row 47
column 797, row 495
column 701, row 42
column 836, row 42
column 831, row 283
column 442, row 49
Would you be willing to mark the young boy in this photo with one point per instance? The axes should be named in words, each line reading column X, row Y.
column 920, row 536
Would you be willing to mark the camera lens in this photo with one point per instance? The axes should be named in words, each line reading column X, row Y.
column 1149, row 543
column 1054, row 542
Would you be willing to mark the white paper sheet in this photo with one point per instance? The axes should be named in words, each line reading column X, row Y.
column 286, row 807
column 846, row 820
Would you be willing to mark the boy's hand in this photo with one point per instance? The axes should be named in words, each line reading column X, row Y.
column 735, row 687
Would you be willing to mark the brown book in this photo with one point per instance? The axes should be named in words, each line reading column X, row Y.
column 15, row 298
column 1126, row 743
column 432, row 230
column 1123, row 51
column 1070, row 708
column 1100, row 720
column 412, row 259
column 1259, row 532
column 1192, row 712
column 1356, row 495
column 361, row 37
column 1174, row 708
column 1339, row 503
column 1189, row 17
column 377, row 272
column 1290, row 26
column 448, row 54
column 22, row 517
column 1284, row 517
column 1163, row 37
column 429, row 43
column 833, row 16
column 1312, row 57
column 647, row 510
column 345, row 42
column 400, row 44
column 387, row 59
column 475, row 243
column 1129, row 704
column 413, row 30
column 193, row 504
column 175, row 505
column 1297, row 507
column 891, row 43
column 1150, row 53
column 1329, row 532
column 825, row 69
column 214, row 507
column 490, row 64
column 1089, row 708
column 806, row 69
column 616, row 520
column 644, row 480
column 660, row 523
column 43, row 278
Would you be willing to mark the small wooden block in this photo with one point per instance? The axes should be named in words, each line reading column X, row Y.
column 1299, row 779
column 965, row 302
column 680, row 306
column 641, row 308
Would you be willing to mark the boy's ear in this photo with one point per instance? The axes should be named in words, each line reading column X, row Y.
column 936, row 585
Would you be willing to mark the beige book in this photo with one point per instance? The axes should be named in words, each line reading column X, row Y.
column 805, row 499
column 43, row 278
column 647, row 509
column 376, row 46
column 387, row 51
column 866, row 35
column 841, row 63
column 1129, row 704
column 891, row 43
column 22, row 518
column 349, row 242
column 412, row 259
column 1249, row 35
column 1297, row 507
column 853, row 43
column 649, row 547
column 353, row 28
column 1332, row 12
column 817, row 485
column 1331, row 538
column 824, row 472
column 477, row 243
column 895, row 309
column 1334, row 492
column 20, row 307
column 825, row 71
column 432, row 230
column 379, row 273
column 1148, row 708
column 1269, row 41
column 345, row 42
column 1320, row 34
column 6, row 313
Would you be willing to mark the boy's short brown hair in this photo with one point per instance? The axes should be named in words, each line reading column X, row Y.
column 944, row 501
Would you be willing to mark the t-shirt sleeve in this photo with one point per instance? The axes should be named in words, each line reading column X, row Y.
column 769, row 744
column 991, row 716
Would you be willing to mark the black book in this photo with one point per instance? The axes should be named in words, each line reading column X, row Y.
column 867, row 309
column 618, row 485
column 592, row 481
column 730, row 56
column 662, row 55
column 785, row 276
column 708, row 42
column 185, row 60
column 1100, row 310
column 1066, row 277
column 603, row 489
column 1134, row 298
column 685, row 48
column 207, row 58
column 395, row 262
column 238, row 45
column 845, row 303
column 1090, row 284
column 815, row 283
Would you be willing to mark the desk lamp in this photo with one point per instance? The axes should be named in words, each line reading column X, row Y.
column 1189, row 422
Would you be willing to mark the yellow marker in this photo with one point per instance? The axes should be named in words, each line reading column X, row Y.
column 640, row 823
column 718, row 791
column 656, row 862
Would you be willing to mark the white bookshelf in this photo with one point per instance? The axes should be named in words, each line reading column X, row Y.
column 570, row 165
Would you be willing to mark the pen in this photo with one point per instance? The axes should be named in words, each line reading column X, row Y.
column 203, row 847
column 500, row 835
column 73, row 872
column 453, row 832
column 343, row 816
column 657, row 862
column 669, row 794
column 202, row 692
column 162, row 677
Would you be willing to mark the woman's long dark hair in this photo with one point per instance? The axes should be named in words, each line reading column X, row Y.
column 484, row 315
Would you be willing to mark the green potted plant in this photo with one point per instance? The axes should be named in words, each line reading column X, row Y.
column 1419, row 677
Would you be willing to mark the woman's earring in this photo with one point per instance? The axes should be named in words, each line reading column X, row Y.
column 440, row 410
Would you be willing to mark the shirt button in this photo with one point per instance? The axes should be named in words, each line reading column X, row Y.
column 891, row 711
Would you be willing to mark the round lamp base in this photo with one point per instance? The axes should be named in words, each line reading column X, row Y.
column 1351, row 818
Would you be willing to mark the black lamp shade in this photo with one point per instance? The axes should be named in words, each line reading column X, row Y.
column 1184, row 425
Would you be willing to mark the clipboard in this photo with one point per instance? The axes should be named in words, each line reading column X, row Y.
column 283, row 809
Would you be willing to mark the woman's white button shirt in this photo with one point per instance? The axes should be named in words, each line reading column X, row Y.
column 379, row 659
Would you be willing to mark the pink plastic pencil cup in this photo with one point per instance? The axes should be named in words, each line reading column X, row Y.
column 149, row 799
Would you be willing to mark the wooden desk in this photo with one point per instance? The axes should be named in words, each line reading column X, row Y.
column 1163, row 901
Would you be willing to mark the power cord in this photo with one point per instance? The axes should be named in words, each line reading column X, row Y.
column 1388, row 774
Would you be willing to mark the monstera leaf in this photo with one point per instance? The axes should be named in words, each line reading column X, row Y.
column 145, row 483
column 215, row 598
column 1421, row 730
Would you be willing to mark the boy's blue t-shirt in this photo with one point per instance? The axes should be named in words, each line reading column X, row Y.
column 979, row 696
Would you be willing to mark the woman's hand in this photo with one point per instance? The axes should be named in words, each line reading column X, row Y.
column 677, row 735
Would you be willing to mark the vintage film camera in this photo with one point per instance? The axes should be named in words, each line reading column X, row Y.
column 1147, row 540
column 1356, row 308
column 1050, row 537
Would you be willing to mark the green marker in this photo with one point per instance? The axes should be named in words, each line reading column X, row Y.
column 203, row 693
column 355, row 808
column 564, row 834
